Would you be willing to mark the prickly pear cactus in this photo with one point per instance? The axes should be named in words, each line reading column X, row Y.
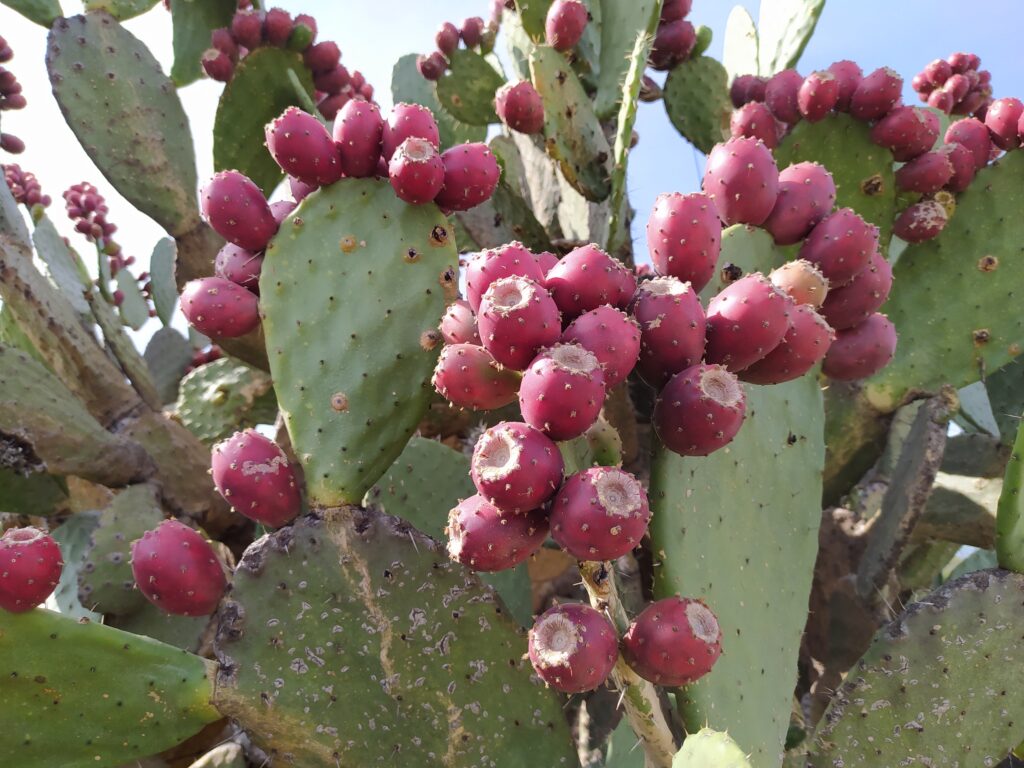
column 221, row 397
column 710, row 749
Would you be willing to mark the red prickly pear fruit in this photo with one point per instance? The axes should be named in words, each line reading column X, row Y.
column 803, row 347
column 322, row 57
column 281, row 209
column 546, row 260
column 482, row 537
column 673, row 44
column 472, row 31
column 416, row 171
column 856, row 301
column 300, row 189
column 861, row 351
column 471, row 173
column 516, row 318
column 587, row 277
column 333, row 80
column 218, row 65
column 302, row 147
column 959, row 62
column 331, row 105
column 747, row 88
column 876, row 94
column 921, row 221
column 848, row 75
column 755, row 121
column 746, row 321
column 925, row 174
column 817, row 96
column 956, row 87
column 408, row 121
column 1001, row 119
column 520, row 107
column 222, row 40
column 672, row 328
column 962, row 162
column 358, row 127
column 941, row 100
column 573, row 648
column 490, row 265
column 30, row 566
column 907, row 132
column 277, row 27
column 802, row 282
column 219, row 308
column 247, row 29
column 807, row 194
column 303, row 33
column 447, row 38
column 253, row 475
column 564, row 24
column 600, row 513
column 673, row 10
column 673, row 642
column 700, row 410
column 177, row 570
column 684, row 236
column 237, row 210
column 781, row 94
column 840, row 246
column 562, row 391
column 432, row 67
column 937, row 72
column 971, row 133
column 467, row 376
column 612, row 336
column 458, row 326
column 240, row 266
column 742, row 180
column 515, row 467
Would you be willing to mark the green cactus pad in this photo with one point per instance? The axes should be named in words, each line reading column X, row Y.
column 1005, row 390
column 466, row 91
column 532, row 14
column 168, row 354
column 739, row 52
column 121, row 10
column 161, row 277
column 62, row 264
column 193, row 21
column 220, row 398
column 43, row 12
column 408, row 85
column 133, row 308
column 784, row 29
column 352, row 290
column 1010, row 517
column 938, row 686
column 184, row 632
column 710, row 749
column 351, row 640
column 620, row 25
column 140, row 138
column 83, row 694
column 517, row 44
column 33, row 494
column 749, row 248
column 73, row 537
column 696, row 98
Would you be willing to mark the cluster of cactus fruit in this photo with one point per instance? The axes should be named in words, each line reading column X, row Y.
column 654, row 469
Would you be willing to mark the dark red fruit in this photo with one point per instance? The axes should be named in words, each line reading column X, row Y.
column 612, row 336
column 253, row 475
column 673, row 44
column 458, row 326
column 803, row 347
column 332, row 81
column 432, row 67
column 925, row 174
column 1001, row 119
column 700, row 410
column 673, row 642
column 672, row 328
column 921, row 221
column 218, row 65
column 520, row 107
column 564, row 24
column 856, row 301
column 747, row 88
column 219, row 308
column 222, row 40
column 861, row 351
column 742, row 180
column 416, row 171
column 247, row 29
column 907, row 132
column 876, row 94
column 471, row 173
column 587, row 277
column 447, row 38
column 684, row 236
column 848, row 75
column 482, row 537
column 562, row 391
column 490, row 265
column 516, row 318
column 472, row 31
column 782, row 93
column 746, row 321
column 322, row 57
column 599, row 514
column 971, row 133
column 408, row 121
column 573, row 648
column 962, row 162
column 671, row 10
column 840, row 246
column 818, row 95
column 357, row 133
column 302, row 147
column 515, row 467
column 468, row 376
column 807, row 194
column 30, row 566
column 177, row 570
column 277, row 27
column 755, row 121
column 240, row 266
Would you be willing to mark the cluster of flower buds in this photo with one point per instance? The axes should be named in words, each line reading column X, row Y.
column 11, row 97
column 955, row 85
column 474, row 33
column 25, row 186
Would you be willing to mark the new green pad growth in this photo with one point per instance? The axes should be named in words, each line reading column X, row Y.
column 220, row 398
column 697, row 101
column 710, row 749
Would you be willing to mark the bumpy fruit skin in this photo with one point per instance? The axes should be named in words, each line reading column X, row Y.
column 673, row 44
column 781, row 94
column 547, row 261
column 458, row 326
column 587, row 277
column 490, row 265
column 222, row 40
column 1001, row 119
column 357, row 133
column 177, row 570
column 322, row 57
column 482, row 537
column 302, row 147
column 520, row 107
column 472, row 31
column 237, row 210
column 471, row 173
column 432, row 67
column 562, row 391
column 673, row 10
column 807, row 194
column 218, row 65
column 564, row 24
column 300, row 189
column 926, row 174
column 804, row 346
column 240, row 266
column 856, row 301
column 920, row 221
column 673, row 642
column 848, row 75
column 408, row 121
column 447, row 38
column 817, row 96
column 573, row 647
column 684, row 237
column 468, row 376
column 747, row 88
column 517, row 317
column 755, row 121
column 277, row 27
column 742, row 180
column 861, row 351
column 247, row 28
column 672, row 328
column 612, row 336
column 962, row 162
column 746, row 321
column 30, row 566
column 971, row 133
column 515, row 467
column 907, row 132
column 334, row 81
column 801, row 281
column 254, row 476
column 600, row 513
column 219, row 308
column 876, row 94
column 416, row 171
column 840, row 246
column 700, row 410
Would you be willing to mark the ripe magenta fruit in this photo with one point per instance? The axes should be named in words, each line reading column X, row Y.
column 515, row 467
column 471, row 173
column 432, row 67
column 803, row 347
column 971, row 133
column 520, row 107
column 673, row 44
column 876, row 94
column 240, row 266
column 1001, row 119
column 807, row 194
column 781, row 94
column 30, row 566
column 302, row 147
column 358, row 127
column 802, row 281
column 742, row 180
column 746, row 321
column 856, row 301
column 925, row 174
column 573, row 647
column 247, row 28
column 458, row 326
column 277, row 27
column 755, row 121
column 586, row 278
column 673, row 642
column 416, row 171
column 447, row 38
column 962, row 162
column 600, row 513
column 612, row 336
column 237, row 210
column 921, row 221
column 818, row 95
column 861, row 351
column 468, row 376
column 672, row 328
column 517, row 317
column 562, row 391
column 482, row 537
column 408, row 121
column 747, row 88
column 219, row 308
column 848, row 75
column 840, row 246
column 490, row 265
column 700, row 410
column 218, row 65
column 177, row 570
column 907, row 132
column 472, row 31
column 684, row 236
column 564, row 24
column 253, row 475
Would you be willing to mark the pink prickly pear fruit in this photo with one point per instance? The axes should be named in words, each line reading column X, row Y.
column 333, row 80
column 416, row 171
column 937, row 72
column 956, row 87
column 573, row 647
column 742, row 180
column 803, row 347
column 840, row 246
column 218, row 65
column 408, row 121
column 755, row 121
column 471, row 173
column 746, row 321
column 458, row 326
column 177, row 570
column 237, row 210
column 962, row 162
column 322, row 57
column 432, row 67
column 302, row 147
column 562, row 391
column 600, row 513
column 472, row 31
column 672, row 328
column 802, row 282
column 277, row 27
column 240, row 266
column 447, row 38
column 921, row 221
column 468, row 376
column 807, row 194
column 1020, row 129
column 358, row 127
column 490, row 265
column 516, row 318
column 848, row 75
column 817, row 96
column 700, row 410
column 329, row 106
column 971, row 133
column 673, row 642
column 515, row 467
column 684, row 236
column 30, row 566
column 876, row 94
column 281, row 209
column 247, row 29
column 219, row 308
column 587, row 277
column 520, row 107
column 856, row 301
column 747, row 88
column 612, row 336
column 673, row 10
column 673, row 44
column 222, row 40
column 782, row 93
column 941, row 100
column 907, row 132
column 546, row 260
column 300, row 189
column 482, row 537
column 1001, row 119
column 926, row 174
column 253, row 475
column 564, row 24
column 861, row 351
